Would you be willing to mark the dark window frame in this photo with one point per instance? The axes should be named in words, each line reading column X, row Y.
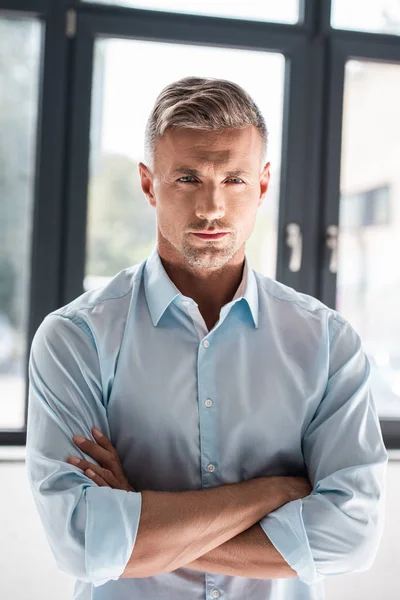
column 151, row 25
column 45, row 265
column 344, row 46
column 310, row 174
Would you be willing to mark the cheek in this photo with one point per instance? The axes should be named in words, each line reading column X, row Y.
column 172, row 209
column 245, row 216
column 244, row 208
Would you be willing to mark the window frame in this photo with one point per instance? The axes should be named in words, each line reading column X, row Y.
column 344, row 46
column 103, row 21
column 28, row 7
column 45, row 266
column 311, row 145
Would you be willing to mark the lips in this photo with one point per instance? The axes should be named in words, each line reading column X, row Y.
column 210, row 236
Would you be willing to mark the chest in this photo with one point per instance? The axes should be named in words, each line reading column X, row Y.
column 178, row 405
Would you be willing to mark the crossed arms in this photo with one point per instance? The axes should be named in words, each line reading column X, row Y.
column 98, row 534
column 214, row 530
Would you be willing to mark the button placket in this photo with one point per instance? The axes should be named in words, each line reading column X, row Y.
column 207, row 416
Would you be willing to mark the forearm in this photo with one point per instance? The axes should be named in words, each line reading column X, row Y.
column 176, row 528
column 249, row 554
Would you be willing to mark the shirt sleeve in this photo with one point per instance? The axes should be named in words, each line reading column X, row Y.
column 337, row 528
column 91, row 529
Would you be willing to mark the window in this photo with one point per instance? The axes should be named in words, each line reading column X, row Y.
column 378, row 16
column 121, row 224
column 370, row 207
column 82, row 194
column 20, row 44
column 368, row 288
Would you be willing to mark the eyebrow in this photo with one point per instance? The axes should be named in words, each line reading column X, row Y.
column 195, row 173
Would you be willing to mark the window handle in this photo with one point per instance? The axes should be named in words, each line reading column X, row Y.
column 294, row 241
column 332, row 237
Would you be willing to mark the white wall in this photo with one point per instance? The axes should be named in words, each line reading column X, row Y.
column 28, row 569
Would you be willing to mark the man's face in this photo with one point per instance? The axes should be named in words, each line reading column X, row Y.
column 206, row 180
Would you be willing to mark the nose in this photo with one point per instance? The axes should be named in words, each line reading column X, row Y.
column 210, row 205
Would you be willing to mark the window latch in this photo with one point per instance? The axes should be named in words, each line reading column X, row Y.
column 332, row 238
column 70, row 24
column 294, row 241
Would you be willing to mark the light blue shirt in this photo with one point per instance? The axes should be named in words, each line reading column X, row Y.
column 279, row 386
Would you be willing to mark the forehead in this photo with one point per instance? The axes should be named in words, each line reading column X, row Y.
column 209, row 147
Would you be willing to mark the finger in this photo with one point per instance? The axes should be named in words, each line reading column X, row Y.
column 106, row 476
column 82, row 464
column 99, row 472
column 103, row 456
column 103, row 440
column 96, row 478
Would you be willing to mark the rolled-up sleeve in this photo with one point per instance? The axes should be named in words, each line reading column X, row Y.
column 337, row 528
column 91, row 530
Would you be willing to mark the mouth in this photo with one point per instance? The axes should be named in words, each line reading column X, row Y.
column 211, row 236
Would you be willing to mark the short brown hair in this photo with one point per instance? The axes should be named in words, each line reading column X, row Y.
column 202, row 103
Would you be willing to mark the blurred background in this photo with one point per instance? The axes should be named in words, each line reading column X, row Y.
column 77, row 82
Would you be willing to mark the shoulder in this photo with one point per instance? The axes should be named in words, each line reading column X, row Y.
column 116, row 291
column 102, row 308
column 297, row 308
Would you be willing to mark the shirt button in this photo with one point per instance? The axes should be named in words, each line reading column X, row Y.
column 208, row 402
column 211, row 468
column 215, row 594
column 185, row 303
column 206, row 344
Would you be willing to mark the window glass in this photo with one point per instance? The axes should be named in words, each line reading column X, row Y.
column 368, row 291
column 377, row 16
column 121, row 228
column 20, row 43
column 285, row 11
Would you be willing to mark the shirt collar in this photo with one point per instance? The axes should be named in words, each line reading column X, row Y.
column 160, row 291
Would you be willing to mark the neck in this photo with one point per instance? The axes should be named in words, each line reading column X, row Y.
column 211, row 289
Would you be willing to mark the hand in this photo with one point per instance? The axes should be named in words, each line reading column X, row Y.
column 110, row 473
column 297, row 487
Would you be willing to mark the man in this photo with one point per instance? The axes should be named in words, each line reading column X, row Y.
column 241, row 454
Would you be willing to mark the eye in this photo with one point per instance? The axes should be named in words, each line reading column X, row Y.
column 187, row 177
column 237, row 180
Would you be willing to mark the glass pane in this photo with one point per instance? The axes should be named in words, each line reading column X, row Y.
column 121, row 223
column 285, row 11
column 378, row 16
column 369, row 276
column 20, row 44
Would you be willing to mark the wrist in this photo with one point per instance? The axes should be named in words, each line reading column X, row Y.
column 281, row 490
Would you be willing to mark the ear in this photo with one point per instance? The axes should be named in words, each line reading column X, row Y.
column 264, row 182
column 146, row 182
